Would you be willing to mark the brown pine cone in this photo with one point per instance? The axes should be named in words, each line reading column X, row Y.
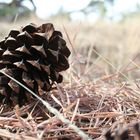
column 129, row 133
column 34, row 56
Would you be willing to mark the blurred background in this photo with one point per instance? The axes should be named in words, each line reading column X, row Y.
column 103, row 35
column 89, row 10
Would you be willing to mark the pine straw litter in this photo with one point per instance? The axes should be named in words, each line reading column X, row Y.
column 93, row 108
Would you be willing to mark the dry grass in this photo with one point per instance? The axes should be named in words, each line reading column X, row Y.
column 101, row 88
column 91, row 107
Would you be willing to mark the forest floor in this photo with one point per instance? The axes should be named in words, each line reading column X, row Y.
column 101, row 89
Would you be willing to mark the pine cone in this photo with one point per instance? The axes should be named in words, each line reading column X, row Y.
column 34, row 56
column 124, row 134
